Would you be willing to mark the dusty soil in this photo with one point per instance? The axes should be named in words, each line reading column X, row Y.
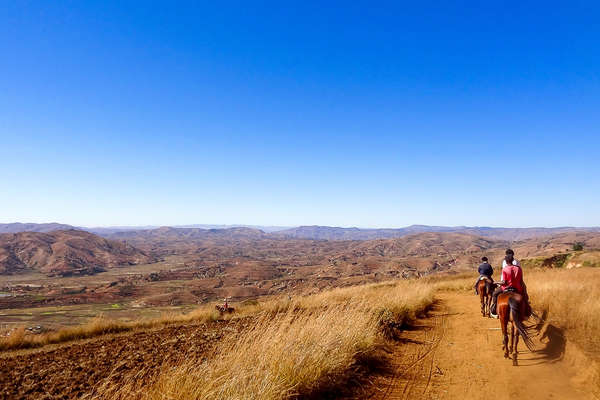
column 457, row 354
column 69, row 371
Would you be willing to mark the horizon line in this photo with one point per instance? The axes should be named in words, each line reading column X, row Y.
column 197, row 225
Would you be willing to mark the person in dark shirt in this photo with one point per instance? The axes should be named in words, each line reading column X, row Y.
column 485, row 270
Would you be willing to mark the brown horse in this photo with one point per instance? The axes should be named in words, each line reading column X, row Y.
column 511, row 308
column 485, row 289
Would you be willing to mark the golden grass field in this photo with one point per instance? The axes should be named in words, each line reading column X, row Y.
column 571, row 299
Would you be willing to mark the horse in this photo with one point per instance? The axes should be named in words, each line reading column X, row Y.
column 485, row 289
column 511, row 308
column 224, row 308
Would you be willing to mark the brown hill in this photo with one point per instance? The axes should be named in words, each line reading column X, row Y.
column 169, row 234
column 427, row 244
column 550, row 245
column 69, row 252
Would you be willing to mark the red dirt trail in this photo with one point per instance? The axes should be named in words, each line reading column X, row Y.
column 457, row 354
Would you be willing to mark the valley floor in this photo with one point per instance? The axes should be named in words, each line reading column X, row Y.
column 457, row 354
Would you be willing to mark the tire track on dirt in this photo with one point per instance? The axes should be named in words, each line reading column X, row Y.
column 416, row 360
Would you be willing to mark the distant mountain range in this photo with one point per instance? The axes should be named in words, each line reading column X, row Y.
column 511, row 234
column 316, row 232
column 16, row 227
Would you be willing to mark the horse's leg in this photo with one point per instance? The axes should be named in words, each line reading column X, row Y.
column 482, row 300
column 486, row 302
column 512, row 337
column 503, row 325
column 515, row 351
column 483, row 306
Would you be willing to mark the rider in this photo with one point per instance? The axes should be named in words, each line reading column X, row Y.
column 512, row 277
column 485, row 271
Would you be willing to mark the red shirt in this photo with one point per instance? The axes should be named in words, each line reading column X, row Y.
column 513, row 276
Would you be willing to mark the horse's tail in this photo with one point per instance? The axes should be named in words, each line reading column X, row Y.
column 514, row 311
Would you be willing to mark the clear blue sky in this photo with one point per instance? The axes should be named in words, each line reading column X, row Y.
column 365, row 114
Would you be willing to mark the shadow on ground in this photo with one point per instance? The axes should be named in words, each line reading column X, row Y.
column 553, row 340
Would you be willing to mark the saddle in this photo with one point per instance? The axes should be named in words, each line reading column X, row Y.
column 526, row 310
column 485, row 278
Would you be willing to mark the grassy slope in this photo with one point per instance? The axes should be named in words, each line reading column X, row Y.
column 309, row 345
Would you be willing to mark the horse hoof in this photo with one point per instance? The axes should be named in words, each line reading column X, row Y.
column 515, row 363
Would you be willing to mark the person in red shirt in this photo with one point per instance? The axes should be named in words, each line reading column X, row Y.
column 512, row 277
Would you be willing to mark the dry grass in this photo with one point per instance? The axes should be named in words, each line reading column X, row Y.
column 459, row 282
column 571, row 300
column 100, row 325
column 297, row 347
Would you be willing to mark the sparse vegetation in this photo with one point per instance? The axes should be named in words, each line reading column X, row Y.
column 577, row 246
column 18, row 339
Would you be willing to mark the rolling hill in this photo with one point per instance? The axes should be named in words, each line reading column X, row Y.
column 64, row 252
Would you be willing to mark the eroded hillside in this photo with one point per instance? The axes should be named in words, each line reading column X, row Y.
column 64, row 253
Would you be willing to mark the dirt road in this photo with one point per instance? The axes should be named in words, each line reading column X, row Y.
column 457, row 354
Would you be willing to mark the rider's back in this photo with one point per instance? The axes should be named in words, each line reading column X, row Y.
column 485, row 269
column 512, row 275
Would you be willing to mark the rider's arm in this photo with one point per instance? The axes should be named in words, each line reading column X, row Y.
column 503, row 277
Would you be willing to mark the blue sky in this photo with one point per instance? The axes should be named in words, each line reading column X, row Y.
column 372, row 114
